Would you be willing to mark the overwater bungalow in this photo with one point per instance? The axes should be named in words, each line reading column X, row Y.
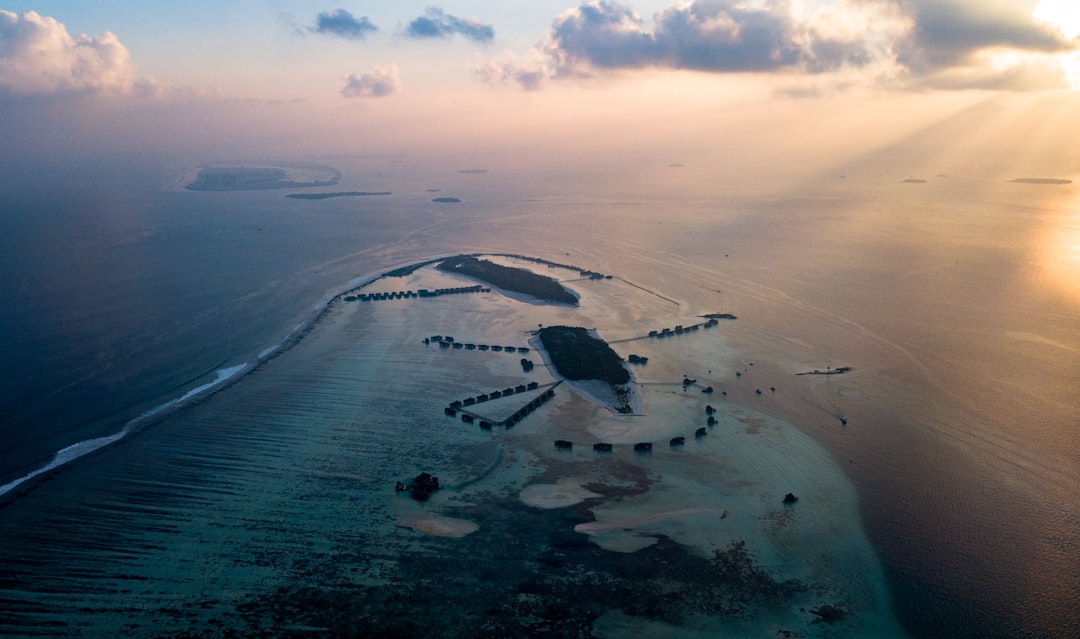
column 483, row 397
column 677, row 441
column 532, row 385
column 470, row 347
column 507, row 391
column 701, row 432
column 709, row 410
column 643, row 447
column 563, row 444
column 485, row 424
column 469, row 401
column 483, row 347
column 456, row 403
column 520, row 388
column 458, row 345
column 467, row 418
column 522, row 349
column 444, row 344
column 495, row 394
column 450, row 412
column 711, row 421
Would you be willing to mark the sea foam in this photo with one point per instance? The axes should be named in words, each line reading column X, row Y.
column 85, row 447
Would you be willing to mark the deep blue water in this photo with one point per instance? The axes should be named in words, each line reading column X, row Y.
column 121, row 295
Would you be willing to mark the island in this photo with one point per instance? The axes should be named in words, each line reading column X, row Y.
column 578, row 355
column 257, row 176
column 1040, row 181
column 327, row 196
column 914, row 181
column 839, row 370
column 473, row 171
column 509, row 278
column 719, row 316
column 447, row 200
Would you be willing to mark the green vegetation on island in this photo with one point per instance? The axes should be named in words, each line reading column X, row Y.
column 509, row 278
column 326, row 196
column 447, row 200
column 577, row 355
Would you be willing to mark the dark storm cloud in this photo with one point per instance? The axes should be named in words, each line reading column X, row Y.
column 343, row 24
column 436, row 23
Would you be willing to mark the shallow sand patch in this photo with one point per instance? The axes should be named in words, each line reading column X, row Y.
column 558, row 495
column 445, row 526
column 629, row 533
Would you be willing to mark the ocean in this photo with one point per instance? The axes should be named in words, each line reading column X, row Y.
column 245, row 434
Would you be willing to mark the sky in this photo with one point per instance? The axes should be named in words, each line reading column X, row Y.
column 79, row 78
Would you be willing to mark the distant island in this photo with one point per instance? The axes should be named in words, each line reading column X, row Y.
column 509, row 278
column 446, row 200
column 839, row 370
column 914, row 181
column 719, row 316
column 474, row 171
column 577, row 355
column 327, row 196
column 257, row 176
column 1040, row 181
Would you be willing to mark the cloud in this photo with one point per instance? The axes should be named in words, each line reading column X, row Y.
column 906, row 44
column 435, row 23
column 377, row 83
column 39, row 57
column 950, row 33
column 530, row 77
column 718, row 36
column 342, row 24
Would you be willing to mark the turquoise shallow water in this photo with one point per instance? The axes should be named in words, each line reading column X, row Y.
column 270, row 507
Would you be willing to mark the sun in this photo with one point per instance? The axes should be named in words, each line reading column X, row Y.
column 1063, row 15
